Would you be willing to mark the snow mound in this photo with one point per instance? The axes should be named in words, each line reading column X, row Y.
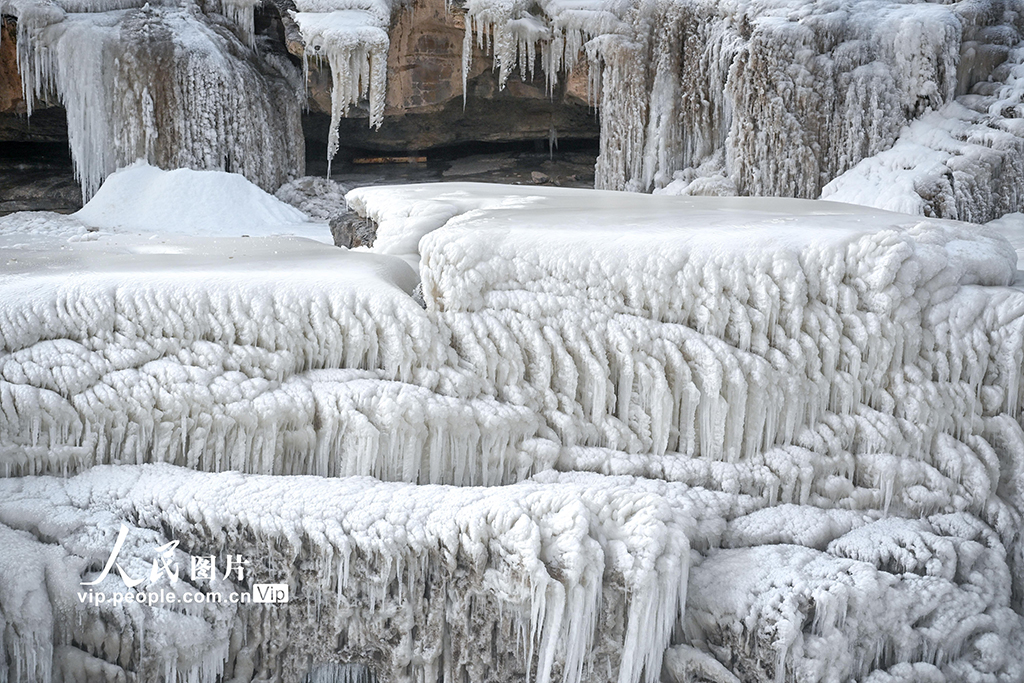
column 143, row 198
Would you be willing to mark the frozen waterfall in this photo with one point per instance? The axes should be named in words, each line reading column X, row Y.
column 167, row 83
column 781, row 97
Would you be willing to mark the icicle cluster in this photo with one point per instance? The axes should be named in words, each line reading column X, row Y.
column 209, row 375
column 789, row 94
column 352, row 35
column 781, row 439
column 242, row 14
column 164, row 84
column 425, row 583
column 553, row 33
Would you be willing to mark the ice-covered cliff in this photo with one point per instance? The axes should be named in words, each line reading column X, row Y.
column 169, row 83
column 627, row 438
column 780, row 97
column 964, row 161
column 900, row 105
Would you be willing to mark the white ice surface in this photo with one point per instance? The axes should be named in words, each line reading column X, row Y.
column 1011, row 226
column 806, row 413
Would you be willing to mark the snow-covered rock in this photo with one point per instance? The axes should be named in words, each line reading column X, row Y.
column 963, row 161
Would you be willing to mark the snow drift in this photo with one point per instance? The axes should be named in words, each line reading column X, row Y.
column 142, row 198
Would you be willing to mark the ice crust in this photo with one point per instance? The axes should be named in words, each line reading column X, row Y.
column 628, row 438
column 520, row 571
column 962, row 161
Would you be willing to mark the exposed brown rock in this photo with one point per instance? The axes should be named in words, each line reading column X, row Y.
column 11, row 100
column 424, row 101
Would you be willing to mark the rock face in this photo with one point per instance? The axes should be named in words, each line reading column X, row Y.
column 38, row 177
column 424, row 104
column 907, row 106
column 10, row 81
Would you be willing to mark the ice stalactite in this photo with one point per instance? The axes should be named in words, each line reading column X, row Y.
column 963, row 161
column 352, row 35
column 788, row 94
column 528, row 35
column 242, row 15
column 166, row 84
column 333, row 672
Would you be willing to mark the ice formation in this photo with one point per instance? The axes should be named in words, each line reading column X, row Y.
column 963, row 161
column 352, row 35
column 1011, row 226
column 423, row 582
column 628, row 438
column 168, row 84
column 787, row 94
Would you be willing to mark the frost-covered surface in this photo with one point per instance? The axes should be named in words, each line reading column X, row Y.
column 788, row 93
column 1011, row 226
column 167, row 84
column 964, row 161
column 744, row 439
column 322, row 199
